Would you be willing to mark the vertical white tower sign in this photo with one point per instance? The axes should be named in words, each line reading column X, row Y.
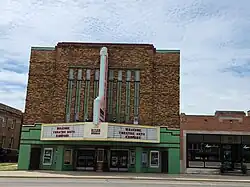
column 99, row 109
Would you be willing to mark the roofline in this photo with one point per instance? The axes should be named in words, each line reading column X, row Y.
column 167, row 51
column 10, row 109
column 97, row 44
column 43, row 48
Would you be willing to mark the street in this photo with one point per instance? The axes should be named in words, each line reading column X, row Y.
column 28, row 182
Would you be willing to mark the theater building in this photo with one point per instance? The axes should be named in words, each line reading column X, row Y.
column 206, row 140
column 102, row 107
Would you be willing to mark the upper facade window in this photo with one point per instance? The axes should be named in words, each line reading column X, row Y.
column 2, row 124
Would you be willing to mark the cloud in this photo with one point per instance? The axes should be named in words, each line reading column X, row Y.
column 212, row 36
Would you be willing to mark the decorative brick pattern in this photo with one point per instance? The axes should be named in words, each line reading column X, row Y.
column 159, row 81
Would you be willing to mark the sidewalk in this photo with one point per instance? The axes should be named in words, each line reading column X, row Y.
column 126, row 176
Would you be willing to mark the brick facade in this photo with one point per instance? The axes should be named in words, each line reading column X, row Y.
column 48, row 81
column 222, row 122
column 10, row 126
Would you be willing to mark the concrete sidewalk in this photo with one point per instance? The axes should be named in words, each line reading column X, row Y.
column 126, row 176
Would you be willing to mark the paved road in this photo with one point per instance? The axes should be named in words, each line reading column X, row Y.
column 21, row 182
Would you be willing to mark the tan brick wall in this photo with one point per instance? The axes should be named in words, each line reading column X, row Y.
column 39, row 97
column 46, row 93
column 166, row 89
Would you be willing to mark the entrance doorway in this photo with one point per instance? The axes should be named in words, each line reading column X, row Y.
column 164, row 161
column 35, row 156
column 85, row 160
column 231, row 153
column 119, row 160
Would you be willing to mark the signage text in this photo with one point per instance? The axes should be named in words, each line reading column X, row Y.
column 132, row 133
column 96, row 131
column 63, row 131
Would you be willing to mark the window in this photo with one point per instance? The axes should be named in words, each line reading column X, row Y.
column 47, row 156
column 3, row 141
column 246, row 153
column 68, row 157
column 128, row 87
column 119, row 97
column 210, row 138
column 144, row 159
column 2, row 121
column 69, row 94
column 136, row 96
column 86, row 94
column 154, row 159
column 230, row 139
column 194, row 138
column 203, row 152
column 78, row 94
column 96, row 83
column 110, row 95
column 12, row 123
column 5, row 122
column 11, row 142
column 132, row 158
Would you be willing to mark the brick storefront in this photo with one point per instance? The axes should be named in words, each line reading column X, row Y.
column 48, row 80
column 222, row 123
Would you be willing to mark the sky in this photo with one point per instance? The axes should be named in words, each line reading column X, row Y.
column 212, row 35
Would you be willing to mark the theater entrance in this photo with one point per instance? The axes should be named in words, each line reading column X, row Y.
column 85, row 159
column 119, row 160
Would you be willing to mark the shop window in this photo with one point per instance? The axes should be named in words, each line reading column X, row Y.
column 203, row 152
column 194, row 152
column 154, row 159
column 68, row 157
column 211, row 138
column 246, row 139
column 230, row 139
column 194, row 138
column 246, row 153
column 47, row 156
column 132, row 158
column 211, row 152
column 144, row 159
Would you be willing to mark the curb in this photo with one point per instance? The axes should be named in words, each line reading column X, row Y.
column 131, row 178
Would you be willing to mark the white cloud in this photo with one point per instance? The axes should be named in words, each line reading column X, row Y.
column 212, row 35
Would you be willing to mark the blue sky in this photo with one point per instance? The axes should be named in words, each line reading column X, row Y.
column 213, row 36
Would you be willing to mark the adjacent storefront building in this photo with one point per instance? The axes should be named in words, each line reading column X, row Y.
column 206, row 141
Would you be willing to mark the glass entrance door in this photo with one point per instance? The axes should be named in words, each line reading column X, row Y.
column 119, row 160
column 227, row 155
column 85, row 160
